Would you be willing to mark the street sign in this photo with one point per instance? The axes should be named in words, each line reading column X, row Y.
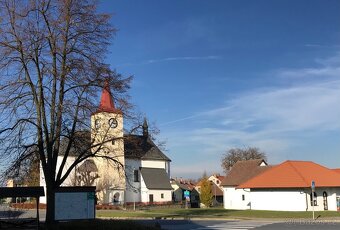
column 186, row 193
column 313, row 186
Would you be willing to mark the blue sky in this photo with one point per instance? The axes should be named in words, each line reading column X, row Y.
column 219, row 74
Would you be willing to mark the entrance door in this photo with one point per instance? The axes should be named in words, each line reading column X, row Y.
column 151, row 198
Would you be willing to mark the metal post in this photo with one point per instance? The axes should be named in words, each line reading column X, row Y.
column 313, row 203
column 313, row 190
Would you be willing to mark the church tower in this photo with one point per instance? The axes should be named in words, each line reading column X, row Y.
column 107, row 136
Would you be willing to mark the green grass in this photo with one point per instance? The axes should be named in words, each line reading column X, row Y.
column 213, row 213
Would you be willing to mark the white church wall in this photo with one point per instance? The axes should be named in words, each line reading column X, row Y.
column 133, row 188
column 155, row 164
column 67, row 182
column 158, row 196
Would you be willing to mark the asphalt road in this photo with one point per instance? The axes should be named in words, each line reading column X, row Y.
column 298, row 224
column 243, row 224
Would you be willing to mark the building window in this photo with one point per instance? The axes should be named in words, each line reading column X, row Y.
column 162, row 195
column 135, row 176
column 243, row 197
column 97, row 123
column 313, row 202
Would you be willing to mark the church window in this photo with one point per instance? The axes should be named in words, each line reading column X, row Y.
column 97, row 123
column 135, row 176
column 325, row 202
column 313, row 202
column 243, row 197
column 162, row 195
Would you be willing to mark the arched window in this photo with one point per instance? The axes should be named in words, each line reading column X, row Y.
column 325, row 202
column 313, row 202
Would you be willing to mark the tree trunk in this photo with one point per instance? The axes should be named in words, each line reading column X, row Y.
column 50, row 206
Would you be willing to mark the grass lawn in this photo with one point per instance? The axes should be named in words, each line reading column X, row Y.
column 213, row 213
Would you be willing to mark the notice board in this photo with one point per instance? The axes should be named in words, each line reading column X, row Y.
column 75, row 203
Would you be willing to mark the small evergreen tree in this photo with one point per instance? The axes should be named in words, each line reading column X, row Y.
column 206, row 195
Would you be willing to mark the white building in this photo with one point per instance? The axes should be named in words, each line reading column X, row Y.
column 236, row 198
column 287, row 187
column 141, row 172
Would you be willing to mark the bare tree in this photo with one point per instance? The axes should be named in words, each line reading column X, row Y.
column 84, row 175
column 25, row 170
column 236, row 154
column 52, row 65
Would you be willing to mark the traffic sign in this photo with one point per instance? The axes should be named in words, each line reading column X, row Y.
column 186, row 193
column 313, row 185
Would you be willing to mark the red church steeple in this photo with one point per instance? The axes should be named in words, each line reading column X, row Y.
column 106, row 101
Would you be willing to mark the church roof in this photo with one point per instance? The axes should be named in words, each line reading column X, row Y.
column 81, row 144
column 106, row 101
column 155, row 178
column 136, row 146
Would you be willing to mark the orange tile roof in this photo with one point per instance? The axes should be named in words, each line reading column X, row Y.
column 336, row 170
column 294, row 174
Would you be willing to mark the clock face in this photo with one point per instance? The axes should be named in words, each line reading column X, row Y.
column 113, row 123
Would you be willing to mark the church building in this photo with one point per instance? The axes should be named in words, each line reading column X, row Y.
column 140, row 172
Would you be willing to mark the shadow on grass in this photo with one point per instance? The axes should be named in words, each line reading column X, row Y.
column 102, row 224
column 214, row 213
column 8, row 214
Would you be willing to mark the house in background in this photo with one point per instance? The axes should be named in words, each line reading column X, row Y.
column 142, row 171
column 180, row 186
column 217, row 179
column 237, row 198
column 287, row 187
column 217, row 189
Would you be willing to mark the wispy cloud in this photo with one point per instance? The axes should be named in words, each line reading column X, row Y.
column 189, row 58
column 310, row 72
column 169, row 59
column 273, row 119
column 329, row 67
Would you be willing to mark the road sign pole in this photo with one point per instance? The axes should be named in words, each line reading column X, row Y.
column 313, row 203
column 313, row 190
